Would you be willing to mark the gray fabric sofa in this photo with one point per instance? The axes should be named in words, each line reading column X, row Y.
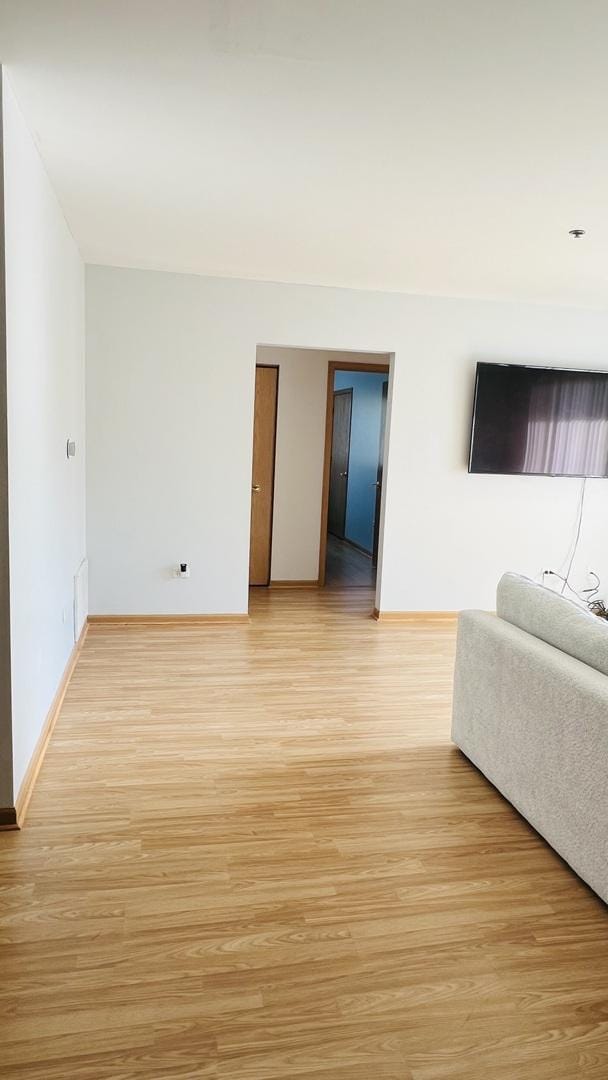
column 531, row 712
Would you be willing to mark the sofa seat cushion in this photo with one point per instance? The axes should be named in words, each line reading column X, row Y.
column 553, row 618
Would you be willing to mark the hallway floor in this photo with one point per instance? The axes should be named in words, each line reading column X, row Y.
column 253, row 854
column 346, row 567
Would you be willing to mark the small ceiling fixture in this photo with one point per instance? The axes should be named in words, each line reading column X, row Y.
column 576, row 233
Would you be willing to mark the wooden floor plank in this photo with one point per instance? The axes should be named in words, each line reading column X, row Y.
column 254, row 854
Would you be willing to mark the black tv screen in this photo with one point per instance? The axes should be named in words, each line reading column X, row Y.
column 539, row 421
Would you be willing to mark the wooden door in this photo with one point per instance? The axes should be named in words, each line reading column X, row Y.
column 262, row 483
column 379, row 474
column 340, row 453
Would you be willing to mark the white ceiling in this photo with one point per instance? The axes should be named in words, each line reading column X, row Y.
column 441, row 146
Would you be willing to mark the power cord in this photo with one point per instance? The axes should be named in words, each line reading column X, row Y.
column 588, row 596
column 585, row 596
column 599, row 608
column 579, row 525
column 591, row 594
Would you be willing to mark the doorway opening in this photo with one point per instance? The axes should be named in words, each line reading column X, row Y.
column 305, row 531
column 357, row 398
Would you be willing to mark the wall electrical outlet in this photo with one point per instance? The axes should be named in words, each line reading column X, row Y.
column 183, row 570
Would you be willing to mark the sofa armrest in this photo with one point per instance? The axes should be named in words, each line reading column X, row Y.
column 535, row 721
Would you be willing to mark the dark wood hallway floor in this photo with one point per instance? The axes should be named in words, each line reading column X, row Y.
column 346, row 567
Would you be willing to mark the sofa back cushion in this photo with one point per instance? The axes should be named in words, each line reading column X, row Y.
column 554, row 619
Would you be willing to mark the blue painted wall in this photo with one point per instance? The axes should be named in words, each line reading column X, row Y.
column 364, row 444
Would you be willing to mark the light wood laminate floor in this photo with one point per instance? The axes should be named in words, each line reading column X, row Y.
column 253, row 854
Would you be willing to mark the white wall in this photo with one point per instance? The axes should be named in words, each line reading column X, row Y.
column 45, row 384
column 170, row 408
column 298, row 478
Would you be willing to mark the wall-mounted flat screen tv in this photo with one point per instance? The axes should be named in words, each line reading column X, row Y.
column 539, row 421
